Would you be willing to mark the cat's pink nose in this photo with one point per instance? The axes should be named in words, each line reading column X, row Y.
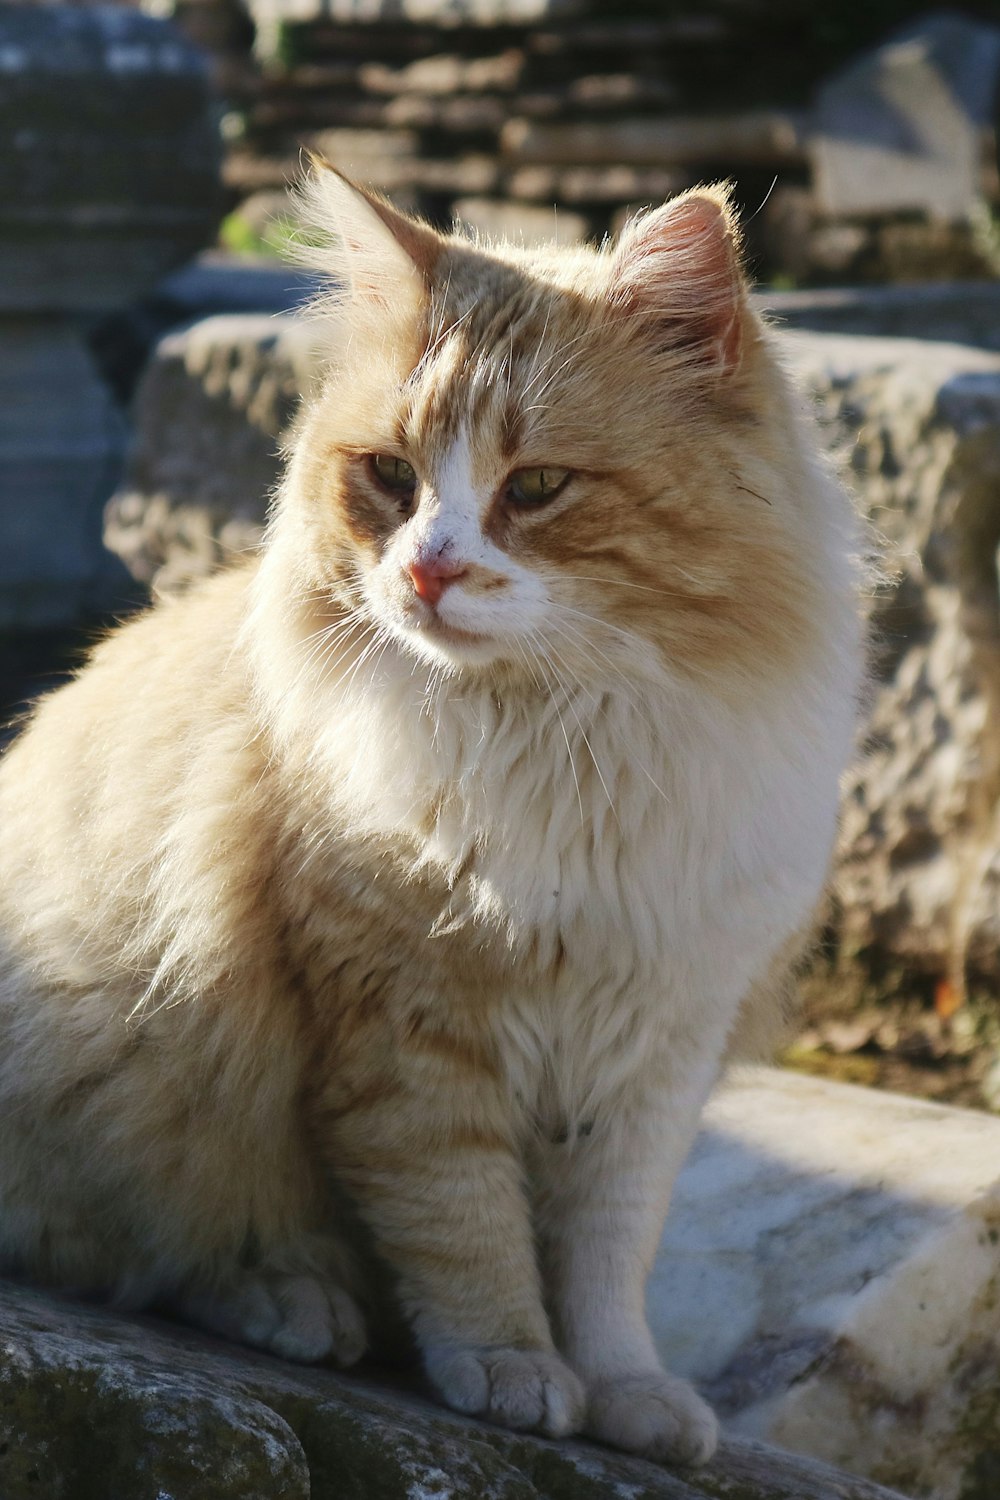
column 430, row 579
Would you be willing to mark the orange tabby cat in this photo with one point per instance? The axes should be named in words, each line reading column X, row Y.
column 427, row 863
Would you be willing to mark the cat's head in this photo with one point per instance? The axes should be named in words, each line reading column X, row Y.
column 554, row 459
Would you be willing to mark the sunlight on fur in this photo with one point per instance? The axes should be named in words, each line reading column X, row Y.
column 375, row 920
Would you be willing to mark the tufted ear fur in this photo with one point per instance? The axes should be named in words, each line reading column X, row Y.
column 676, row 271
column 365, row 243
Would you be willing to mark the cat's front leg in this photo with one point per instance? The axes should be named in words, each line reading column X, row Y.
column 603, row 1200
column 428, row 1154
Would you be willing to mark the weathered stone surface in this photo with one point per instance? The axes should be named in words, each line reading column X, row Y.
column 109, row 174
column 949, row 312
column 94, row 1406
column 903, row 127
column 917, row 427
column 830, row 1276
column 209, row 414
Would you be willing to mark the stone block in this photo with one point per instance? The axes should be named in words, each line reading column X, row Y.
column 903, row 128
column 916, row 427
column 468, row 114
column 109, row 175
column 760, row 136
column 944, row 312
column 94, row 1404
column 830, row 1276
column 597, row 185
column 209, row 414
column 445, row 75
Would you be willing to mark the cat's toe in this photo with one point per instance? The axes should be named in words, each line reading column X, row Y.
column 302, row 1317
column 657, row 1416
column 319, row 1321
column 526, row 1390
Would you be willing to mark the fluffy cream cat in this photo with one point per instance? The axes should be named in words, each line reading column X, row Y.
column 421, row 871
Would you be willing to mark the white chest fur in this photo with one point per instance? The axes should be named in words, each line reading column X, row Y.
column 671, row 835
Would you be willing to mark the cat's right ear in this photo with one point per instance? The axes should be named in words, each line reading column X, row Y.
column 361, row 241
column 676, row 273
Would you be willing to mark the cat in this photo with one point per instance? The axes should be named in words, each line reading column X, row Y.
column 422, row 870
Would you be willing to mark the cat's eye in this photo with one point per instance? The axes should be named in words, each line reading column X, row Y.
column 394, row 473
column 535, row 486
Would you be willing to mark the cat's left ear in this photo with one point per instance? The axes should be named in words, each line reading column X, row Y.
column 366, row 243
column 677, row 272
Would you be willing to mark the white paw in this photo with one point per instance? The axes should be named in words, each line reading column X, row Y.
column 657, row 1416
column 529, row 1390
column 319, row 1320
column 304, row 1317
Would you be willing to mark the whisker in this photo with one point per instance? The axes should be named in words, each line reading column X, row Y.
column 562, row 726
column 622, row 689
column 620, row 583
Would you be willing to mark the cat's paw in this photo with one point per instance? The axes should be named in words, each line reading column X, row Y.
column 302, row 1317
column 657, row 1416
column 529, row 1390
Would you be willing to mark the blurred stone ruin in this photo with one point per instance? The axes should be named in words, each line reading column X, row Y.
column 91, row 216
column 875, row 167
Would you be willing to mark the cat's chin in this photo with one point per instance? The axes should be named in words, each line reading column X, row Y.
column 449, row 646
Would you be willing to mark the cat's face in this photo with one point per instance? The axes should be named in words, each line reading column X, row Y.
column 538, row 460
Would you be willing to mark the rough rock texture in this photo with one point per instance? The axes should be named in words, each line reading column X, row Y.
column 830, row 1276
column 94, row 1406
column 917, row 428
column 208, row 416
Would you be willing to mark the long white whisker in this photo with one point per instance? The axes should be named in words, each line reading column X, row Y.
column 569, row 749
column 621, row 584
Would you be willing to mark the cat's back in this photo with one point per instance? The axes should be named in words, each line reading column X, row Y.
column 154, row 731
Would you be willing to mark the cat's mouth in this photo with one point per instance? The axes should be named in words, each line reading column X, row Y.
column 455, row 643
column 441, row 630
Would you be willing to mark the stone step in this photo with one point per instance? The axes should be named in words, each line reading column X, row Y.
column 830, row 1276
column 131, row 1408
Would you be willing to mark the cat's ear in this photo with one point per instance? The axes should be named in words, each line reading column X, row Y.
column 676, row 272
column 363, row 241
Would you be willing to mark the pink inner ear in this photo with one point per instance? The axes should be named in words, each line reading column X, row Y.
column 678, row 266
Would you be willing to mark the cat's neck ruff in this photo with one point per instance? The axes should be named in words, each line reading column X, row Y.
column 611, row 805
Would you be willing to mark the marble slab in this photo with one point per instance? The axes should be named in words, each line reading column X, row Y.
column 830, row 1277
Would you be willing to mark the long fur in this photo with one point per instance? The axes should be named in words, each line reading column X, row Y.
column 313, row 894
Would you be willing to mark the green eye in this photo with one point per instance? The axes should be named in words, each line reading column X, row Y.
column 395, row 473
column 535, row 486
